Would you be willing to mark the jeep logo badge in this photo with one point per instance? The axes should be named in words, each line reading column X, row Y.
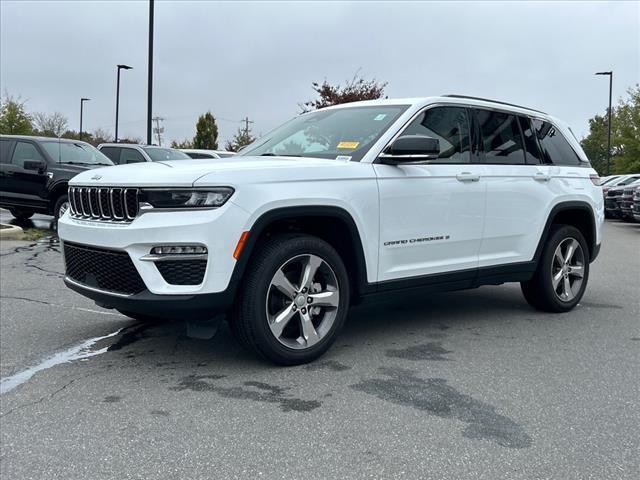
column 96, row 177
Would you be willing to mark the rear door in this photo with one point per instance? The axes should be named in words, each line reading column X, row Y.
column 431, row 214
column 519, row 190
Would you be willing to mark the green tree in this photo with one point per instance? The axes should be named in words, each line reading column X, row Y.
column 206, row 133
column 242, row 138
column 625, row 136
column 13, row 117
column 354, row 90
column 186, row 143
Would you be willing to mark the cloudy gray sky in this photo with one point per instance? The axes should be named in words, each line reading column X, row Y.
column 258, row 59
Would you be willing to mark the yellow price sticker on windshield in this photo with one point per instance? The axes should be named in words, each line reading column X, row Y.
column 350, row 145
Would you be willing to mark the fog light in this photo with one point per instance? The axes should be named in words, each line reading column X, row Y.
column 179, row 250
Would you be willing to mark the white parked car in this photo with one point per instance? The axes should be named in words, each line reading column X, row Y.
column 336, row 206
column 123, row 153
column 200, row 153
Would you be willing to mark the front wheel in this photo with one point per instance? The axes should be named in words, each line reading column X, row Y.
column 293, row 301
column 562, row 274
column 61, row 206
column 21, row 213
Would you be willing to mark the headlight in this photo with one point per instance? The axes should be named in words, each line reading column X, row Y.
column 186, row 197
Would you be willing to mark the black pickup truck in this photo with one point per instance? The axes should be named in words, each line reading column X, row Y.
column 34, row 172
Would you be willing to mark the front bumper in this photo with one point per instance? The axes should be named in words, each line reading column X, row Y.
column 217, row 229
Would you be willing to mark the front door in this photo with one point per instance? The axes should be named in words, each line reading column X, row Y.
column 432, row 214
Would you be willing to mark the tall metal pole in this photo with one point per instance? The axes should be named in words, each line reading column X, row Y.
column 117, row 103
column 610, row 73
column 82, row 100
column 150, row 73
column 609, row 122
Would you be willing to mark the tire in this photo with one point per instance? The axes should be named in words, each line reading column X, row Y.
column 61, row 206
column 21, row 214
column 540, row 292
column 312, row 311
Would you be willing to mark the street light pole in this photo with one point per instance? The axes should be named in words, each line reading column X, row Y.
column 82, row 100
column 120, row 67
column 150, row 74
column 610, row 74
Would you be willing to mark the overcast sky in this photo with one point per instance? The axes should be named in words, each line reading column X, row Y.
column 259, row 59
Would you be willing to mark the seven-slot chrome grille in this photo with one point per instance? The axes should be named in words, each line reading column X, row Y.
column 111, row 204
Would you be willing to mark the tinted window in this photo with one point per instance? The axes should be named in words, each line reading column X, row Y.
column 225, row 154
column 113, row 153
column 555, row 147
column 501, row 140
column 199, row 155
column 450, row 125
column 534, row 155
column 129, row 155
column 5, row 150
column 25, row 151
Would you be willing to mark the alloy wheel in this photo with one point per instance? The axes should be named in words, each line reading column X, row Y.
column 302, row 301
column 567, row 269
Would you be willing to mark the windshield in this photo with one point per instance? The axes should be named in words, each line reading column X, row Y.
column 79, row 153
column 158, row 154
column 342, row 134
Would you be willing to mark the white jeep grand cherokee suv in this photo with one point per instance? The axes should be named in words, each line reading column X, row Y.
column 440, row 193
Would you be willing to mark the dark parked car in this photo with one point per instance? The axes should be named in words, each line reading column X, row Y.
column 34, row 172
column 626, row 200
column 636, row 205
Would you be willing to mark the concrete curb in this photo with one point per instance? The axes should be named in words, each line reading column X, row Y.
column 11, row 232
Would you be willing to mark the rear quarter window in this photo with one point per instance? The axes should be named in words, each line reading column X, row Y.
column 555, row 147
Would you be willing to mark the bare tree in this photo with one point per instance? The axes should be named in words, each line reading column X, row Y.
column 50, row 124
column 354, row 90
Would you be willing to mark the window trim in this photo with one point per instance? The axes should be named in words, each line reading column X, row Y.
column 472, row 153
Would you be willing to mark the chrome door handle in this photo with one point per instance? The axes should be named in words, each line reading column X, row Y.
column 541, row 177
column 467, row 177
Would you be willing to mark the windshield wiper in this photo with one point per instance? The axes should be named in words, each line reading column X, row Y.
column 269, row 154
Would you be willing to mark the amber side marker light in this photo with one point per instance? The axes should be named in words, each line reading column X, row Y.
column 240, row 245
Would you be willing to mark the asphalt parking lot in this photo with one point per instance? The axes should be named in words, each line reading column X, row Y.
column 460, row 385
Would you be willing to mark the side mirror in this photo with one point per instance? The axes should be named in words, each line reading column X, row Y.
column 411, row 149
column 38, row 165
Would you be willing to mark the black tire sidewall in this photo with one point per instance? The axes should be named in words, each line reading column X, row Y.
column 557, row 236
column 287, row 249
column 21, row 214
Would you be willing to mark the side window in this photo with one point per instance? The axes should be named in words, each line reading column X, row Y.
column 450, row 125
column 130, row 155
column 534, row 155
column 25, row 151
column 112, row 153
column 501, row 140
column 555, row 147
column 5, row 150
column 197, row 155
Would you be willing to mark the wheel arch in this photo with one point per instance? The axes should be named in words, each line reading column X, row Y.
column 575, row 213
column 330, row 223
column 57, row 190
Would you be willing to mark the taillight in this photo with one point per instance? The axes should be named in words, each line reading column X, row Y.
column 595, row 179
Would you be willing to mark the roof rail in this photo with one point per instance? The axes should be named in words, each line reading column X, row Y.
column 493, row 101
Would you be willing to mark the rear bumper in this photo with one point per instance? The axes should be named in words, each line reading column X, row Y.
column 184, row 307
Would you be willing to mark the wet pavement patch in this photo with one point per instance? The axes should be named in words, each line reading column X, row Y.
column 255, row 391
column 112, row 399
column 332, row 365
column 436, row 397
column 426, row 351
column 160, row 413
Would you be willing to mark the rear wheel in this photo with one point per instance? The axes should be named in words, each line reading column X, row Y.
column 562, row 274
column 293, row 301
column 21, row 213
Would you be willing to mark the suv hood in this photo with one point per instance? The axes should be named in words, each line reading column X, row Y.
column 185, row 173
